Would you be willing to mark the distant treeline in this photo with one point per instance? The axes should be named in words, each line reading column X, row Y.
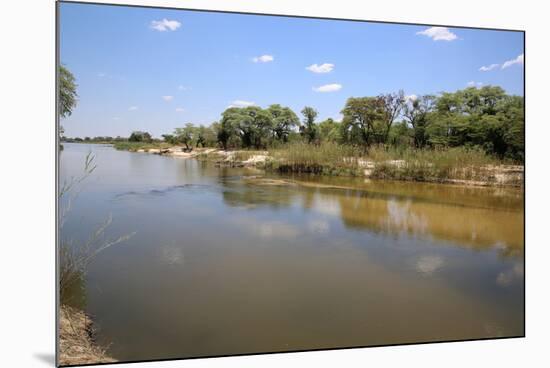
column 485, row 118
column 93, row 139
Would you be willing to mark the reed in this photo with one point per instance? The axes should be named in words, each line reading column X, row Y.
column 327, row 159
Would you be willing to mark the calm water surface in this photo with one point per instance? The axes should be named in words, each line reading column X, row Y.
column 224, row 264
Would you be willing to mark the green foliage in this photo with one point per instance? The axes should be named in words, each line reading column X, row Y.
column 309, row 129
column 254, row 127
column 67, row 92
column 330, row 131
column 485, row 119
column 185, row 135
column 362, row 119
column 417, row 112
column 393, row 104
column 206, row 137
column 283, row 121
column 138, row 136
column 170, row 138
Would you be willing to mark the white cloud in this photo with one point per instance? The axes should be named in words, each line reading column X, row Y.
column 328, row 88
column 165, row 25
column 183, row 88
column 438, row 34
column 488, row 67
column 179, row 109
column 518, row 60
column 319, row 226
column 101, row 75
column 428, row 265
column 132, row 108
column 323, row 68
column 116, row 118
column 167, row 98
column 263, row 59
column 474, row 84
column 241, row 103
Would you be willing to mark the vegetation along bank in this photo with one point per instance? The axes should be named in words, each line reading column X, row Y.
column 471, row 136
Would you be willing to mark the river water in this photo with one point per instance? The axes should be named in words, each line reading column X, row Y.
column 223, row 262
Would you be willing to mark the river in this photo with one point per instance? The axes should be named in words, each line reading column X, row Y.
column 222, row 262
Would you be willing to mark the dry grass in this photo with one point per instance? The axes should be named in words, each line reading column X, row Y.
column 134, row 146
column 76, row 345
column 327, row 159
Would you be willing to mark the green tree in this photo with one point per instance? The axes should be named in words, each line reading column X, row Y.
column 252, row 124
column 283, row 121
column 329, row 131
column 170, row 138
column 224, row 131
column 139, row 136
column 205, row 137
column 416, row 112
column 400, row 135
column 361, row 115
column 67, row 92
column 484, row 117
column 185, row 135
column 309, row 129
column 393, row 105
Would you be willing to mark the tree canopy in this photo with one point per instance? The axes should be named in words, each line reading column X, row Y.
column 67, row 92
column 484, row 118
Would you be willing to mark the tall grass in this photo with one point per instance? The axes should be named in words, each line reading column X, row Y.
column 431, row 164
column 382, row 162
column 456, row 156
column 134, row 146
column 327, row 158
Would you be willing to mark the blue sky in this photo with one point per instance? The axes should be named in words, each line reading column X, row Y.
column 157, row 69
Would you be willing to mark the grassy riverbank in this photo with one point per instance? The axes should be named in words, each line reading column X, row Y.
column 76, row 345
column 453, row 165
column 136, row 146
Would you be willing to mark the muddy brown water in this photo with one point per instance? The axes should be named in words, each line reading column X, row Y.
column 222, row 263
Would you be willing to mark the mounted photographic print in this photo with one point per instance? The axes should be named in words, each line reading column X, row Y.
column 234, row 183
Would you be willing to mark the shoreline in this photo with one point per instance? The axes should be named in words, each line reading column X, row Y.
column 499, row 175
column 76, row 339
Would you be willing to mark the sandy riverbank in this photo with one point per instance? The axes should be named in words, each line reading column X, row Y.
column 487, row 175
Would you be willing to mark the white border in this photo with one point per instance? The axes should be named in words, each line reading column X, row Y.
column 27, row 199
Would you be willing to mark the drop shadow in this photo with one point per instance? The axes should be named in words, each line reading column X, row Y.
column 47, row 358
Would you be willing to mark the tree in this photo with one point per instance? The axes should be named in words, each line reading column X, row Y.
column 416, row 111
column 484, row 117
column 185, row 135
column 67, row 92
column 139, row 136
column 400, row 135
column 309, row 129
column 329, row 131
column 361, row 114
column 205, row 136
column 170, row 138
column 393, row 105
column 252, row 124
column 283, row 121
